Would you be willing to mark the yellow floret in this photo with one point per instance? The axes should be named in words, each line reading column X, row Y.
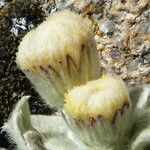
column 102, row 97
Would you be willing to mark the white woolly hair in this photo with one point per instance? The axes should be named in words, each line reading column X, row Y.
column 102, row 97
column 59, row 54
column 61, row 34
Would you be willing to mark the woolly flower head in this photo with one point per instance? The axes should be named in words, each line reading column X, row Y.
column 99, row 112
column 59, row 54
column 99, row 98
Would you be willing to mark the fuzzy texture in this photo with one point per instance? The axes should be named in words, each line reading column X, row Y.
column 19, row 123
column 98, row 98
column 128, row 132
column 103, row 133
column 39, row 132
column 99, row 112
column 60, row 35
column 59, row 54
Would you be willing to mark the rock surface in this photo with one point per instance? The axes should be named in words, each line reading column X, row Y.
column 122, row 34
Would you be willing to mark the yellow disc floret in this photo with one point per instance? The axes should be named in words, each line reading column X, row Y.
column 98, row 98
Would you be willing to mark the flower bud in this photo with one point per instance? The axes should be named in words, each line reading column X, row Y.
column 59, row 54
column 99, row 111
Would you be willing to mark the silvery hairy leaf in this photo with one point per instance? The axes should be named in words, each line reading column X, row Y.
column 35, row 132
